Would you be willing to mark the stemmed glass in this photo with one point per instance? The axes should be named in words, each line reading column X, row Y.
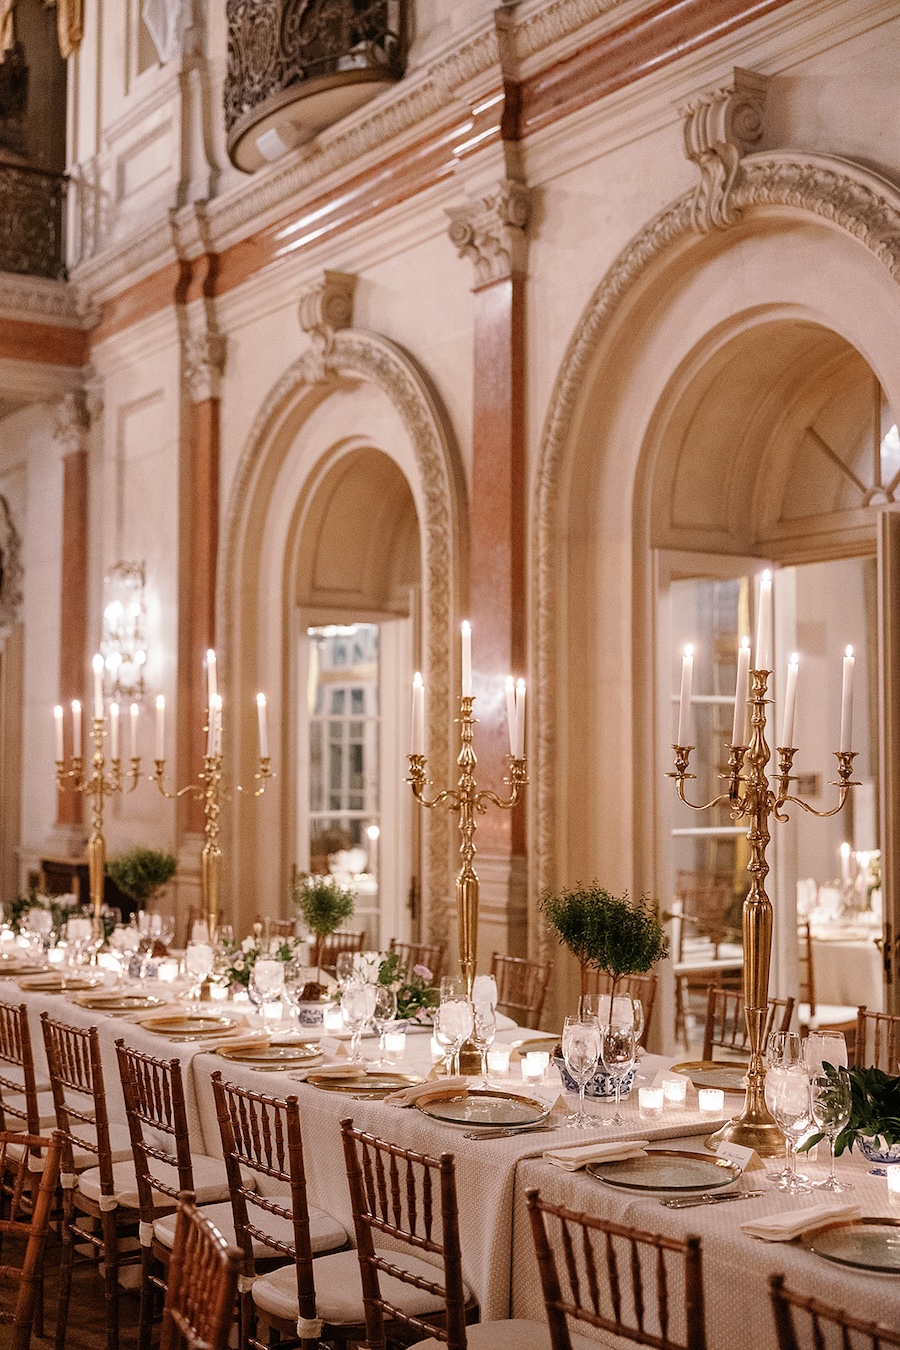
column 455, row 1020
column 484, row 1029
column 198, row 963
column 784, row 1050
column 618, row 1048
column 343, row 969
column 383, row 1013
column 788, row 1098
column 357, row 1007
column 266, row 983
column 581, row 1050
column 830, row 1101
column 825, row 1047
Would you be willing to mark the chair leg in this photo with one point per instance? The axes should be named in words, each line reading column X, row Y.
column 67, row 1256
column 111, row 1278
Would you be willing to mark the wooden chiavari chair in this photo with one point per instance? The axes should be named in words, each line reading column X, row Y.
column 726, row 1027
column 335, row 943
column 813, row 1015
column 28, row 1222
column 521, row 987
column 426, row 954
column 598, row 984
column 877, row 1041
column 199, row 1305
column 26, row 1102
column 644, row 1287
column 802, row 1323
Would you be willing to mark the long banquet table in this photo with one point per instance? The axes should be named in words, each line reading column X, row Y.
column 492, row 1177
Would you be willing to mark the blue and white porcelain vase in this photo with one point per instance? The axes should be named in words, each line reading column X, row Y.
column 601, row 1087
column 876, row 1149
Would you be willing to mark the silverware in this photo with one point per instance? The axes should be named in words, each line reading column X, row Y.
column 507, row 1131
column 708, row 1198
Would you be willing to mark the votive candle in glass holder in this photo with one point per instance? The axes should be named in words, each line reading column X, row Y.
column 498, row 1060
column 332, row 1019
column 534, row 1066
column 712, row 1101
column 394, row 1046
column 167, row 971
column 650, row 1102
column 893, row 1185
column 674, row 1089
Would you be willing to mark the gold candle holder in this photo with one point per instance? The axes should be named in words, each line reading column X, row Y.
column 751, row 798
column 96, row 786
column 467, row 801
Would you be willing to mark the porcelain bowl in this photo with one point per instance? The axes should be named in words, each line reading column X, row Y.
column 876, row 1150
column 601, row 1086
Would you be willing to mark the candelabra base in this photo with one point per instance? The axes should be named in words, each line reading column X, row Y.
column 750, row 1131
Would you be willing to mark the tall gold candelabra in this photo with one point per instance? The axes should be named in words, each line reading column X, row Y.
column 467, row 801
column 210, row 790
column 97, row 785
column 751, row 798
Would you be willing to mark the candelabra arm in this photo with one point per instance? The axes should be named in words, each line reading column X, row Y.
column 844, row 782
column 681, row 775
column 419, row 782
column 263, row 777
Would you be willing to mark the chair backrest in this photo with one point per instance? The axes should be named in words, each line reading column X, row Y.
column 597, row 983
column 203, row 1278
column 704, row 901
column 153, row 1090
column 28, row 1219
column 79, row 1096
column 421, row 954
column 806, row 977
column 410, row 1200
column 726, row 1025
column 335, row 943
column 521, row 986
column 645, row 1287
column 877, row 1041
column 802, row 1323
column 18, row 1095
column 261, row 1134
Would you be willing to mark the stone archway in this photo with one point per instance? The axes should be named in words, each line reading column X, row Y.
column 274, row 483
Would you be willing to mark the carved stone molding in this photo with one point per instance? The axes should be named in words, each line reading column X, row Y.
column 365, row 356
column 324, row 308
column 491, row 232
column 204, row 364
column 720, row 127
column 72, row 419
column 10, row 571
column 849, row 197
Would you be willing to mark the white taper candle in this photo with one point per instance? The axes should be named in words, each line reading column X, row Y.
column 511, row 713
column 417, row 727
column 847, row 701
column 58, row 725
column 263, row 729
column 684, row 707
column 160, row 726
column 212, row 687
column 741, row 693
column 790, row 703
column 97, row 664
column 76, row 727
column 520, row 719
column 762, row 656
column 466, row 659
column 134, row 725
column 114, row 730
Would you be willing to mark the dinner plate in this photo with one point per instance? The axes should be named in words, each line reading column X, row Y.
column 119, row 1003
column 367, row 1085
column 714, row 1073
column 666, row 1169
column 487, row 1107
column 274, row 1056
column 868, row 1244
column 186, row 1026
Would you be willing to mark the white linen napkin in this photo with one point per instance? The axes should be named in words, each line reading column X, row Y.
column 573, row 1158
column 429, row 1092
column 237, row 1040
column 789, row 1224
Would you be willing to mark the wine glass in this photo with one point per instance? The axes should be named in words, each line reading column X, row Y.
column 788, row 1098
column 357, row 1006
column 830, row 1101
column 581, row 1050
column 452, row 987
column 784, row 1050
column 618, row 1047
column 343, row 969
column 266, row 983
column 198, row 963
column 383, row 1013
column 484, row 1029
column 456, row 1022
column 825, row 1047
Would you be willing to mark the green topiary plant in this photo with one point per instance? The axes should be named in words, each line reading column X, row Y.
column 322, row 904
column 606, row 932
column 141, row 873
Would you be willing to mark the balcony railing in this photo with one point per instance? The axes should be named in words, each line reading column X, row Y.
column 31, row 214
column 296, row 66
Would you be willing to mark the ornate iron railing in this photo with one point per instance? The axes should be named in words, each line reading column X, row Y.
column 276, row 44
column 31, row 216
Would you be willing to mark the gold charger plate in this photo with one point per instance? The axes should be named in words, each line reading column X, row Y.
column 186, row 1027
column 272, row 1056
column 666, row 1169
column 488, row 1107
column 529, row 1043
column 369, row 1085
column 57, row 984
column 866, row 1244
column 119, row 1003
column 714, row 1073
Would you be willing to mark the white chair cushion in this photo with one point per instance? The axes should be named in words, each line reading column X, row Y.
column 119, row 1142
column 827, row 1015
column 339, row 1289
column 47, row 1113
column 516, row 1334
column 326, row 1234
column 210, row 1181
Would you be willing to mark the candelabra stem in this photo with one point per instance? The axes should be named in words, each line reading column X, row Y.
column 211, row 857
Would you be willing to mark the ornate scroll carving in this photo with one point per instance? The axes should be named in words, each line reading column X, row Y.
column 492, row 231
column 72, row 419
column 204, row 363
column 10, row 570
column 325, row 307
column 721, row 127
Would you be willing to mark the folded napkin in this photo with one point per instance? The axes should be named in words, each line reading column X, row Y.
column 574, row 1158
column 237, row 1041
column 429, row 1092
column 791, row 1223
column 341, row 1068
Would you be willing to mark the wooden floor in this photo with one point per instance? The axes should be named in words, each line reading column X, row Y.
column 86, row 1328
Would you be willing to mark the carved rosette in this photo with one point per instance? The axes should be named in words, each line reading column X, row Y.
column 492, row 232
column 324, row 309
column 204, row 363
column 721, row 127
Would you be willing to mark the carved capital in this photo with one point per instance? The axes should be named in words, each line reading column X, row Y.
column 492, row 231
column 72, row 420
column 204, row 362
column 325, row 308
column 721, row 127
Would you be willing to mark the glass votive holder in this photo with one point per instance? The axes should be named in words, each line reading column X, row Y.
column 674, row 1090
column 712, row 1101
column 167, row 970
column 498, row 1060
column 650, row 1102
column 893, row 1185
column 394, row 1046
column 332, row 1019
column 534, row 1066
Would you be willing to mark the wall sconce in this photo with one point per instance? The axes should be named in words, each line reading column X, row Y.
column 124, row 642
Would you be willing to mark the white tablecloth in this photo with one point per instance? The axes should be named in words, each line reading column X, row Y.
column 848, row 970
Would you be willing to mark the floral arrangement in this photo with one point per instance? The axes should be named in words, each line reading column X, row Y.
column 239, row 958
column 61, row 908
column 413, row 986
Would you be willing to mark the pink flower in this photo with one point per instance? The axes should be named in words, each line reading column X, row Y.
column 423, row 972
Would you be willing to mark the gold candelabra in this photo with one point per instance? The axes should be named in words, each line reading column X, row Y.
column 751, row 798
column 467, row 801
column 96, row 785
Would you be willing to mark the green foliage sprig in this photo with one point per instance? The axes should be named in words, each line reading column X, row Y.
column 874, row 1109
column 142, row 872
column 322, row 904
column 412, row 985
column 605, row 932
